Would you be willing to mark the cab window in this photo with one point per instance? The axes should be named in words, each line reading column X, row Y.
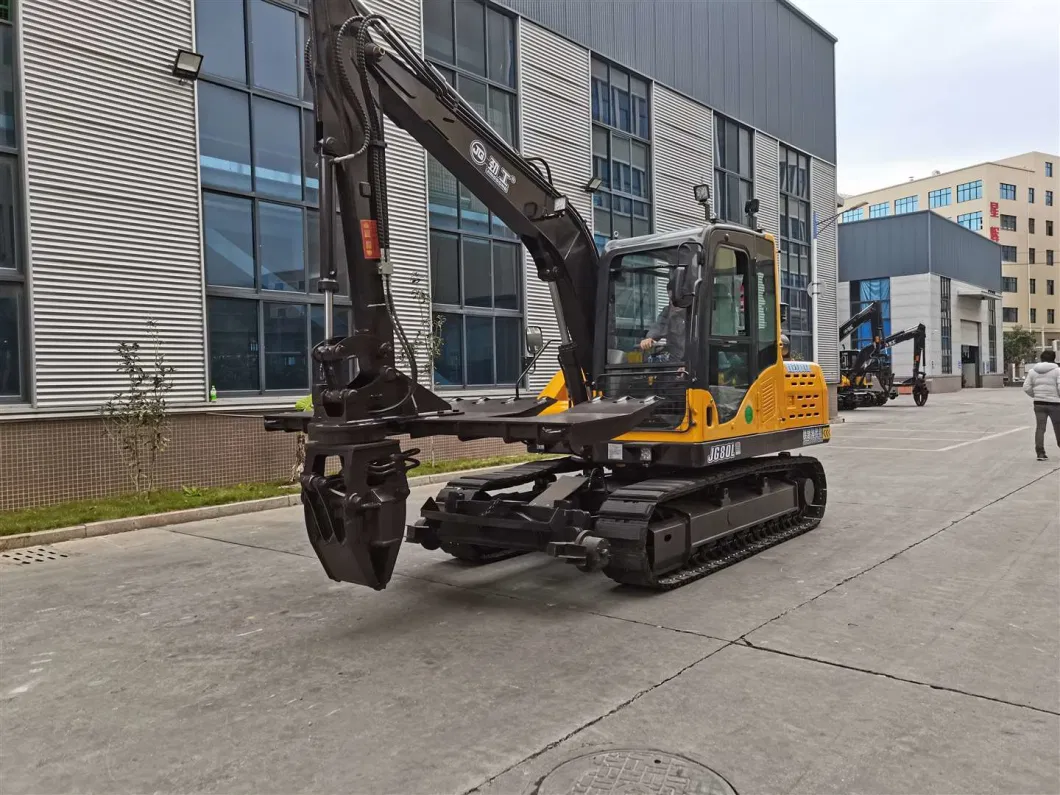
column 766, row 313
column 730, row 369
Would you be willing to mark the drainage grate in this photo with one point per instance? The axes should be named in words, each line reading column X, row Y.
column 31, row 555
column 641, row 771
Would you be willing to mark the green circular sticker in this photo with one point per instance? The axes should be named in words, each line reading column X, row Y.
column 748, row 414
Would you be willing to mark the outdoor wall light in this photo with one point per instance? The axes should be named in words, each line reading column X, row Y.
column 186, row 65
column 702, row 193
column 593, row 185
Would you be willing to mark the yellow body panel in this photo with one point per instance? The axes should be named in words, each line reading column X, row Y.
column 786, row 395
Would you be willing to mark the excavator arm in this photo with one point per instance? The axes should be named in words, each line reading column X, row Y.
column 918, row 334
column 873, row 313
column 363, row 72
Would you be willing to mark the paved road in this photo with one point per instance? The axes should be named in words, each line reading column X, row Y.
column 908, row 645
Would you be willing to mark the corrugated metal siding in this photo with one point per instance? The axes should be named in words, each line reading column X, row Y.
column 912, row 243
column 406, row 164
column 555, row 123
column 113, row 204
column 822, row 201
column 876, row 247
column 763, row 63
column 963, row 254
column 767, row 182
column 683, row 156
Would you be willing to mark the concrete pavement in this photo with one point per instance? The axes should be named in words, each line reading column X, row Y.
column 911, row 644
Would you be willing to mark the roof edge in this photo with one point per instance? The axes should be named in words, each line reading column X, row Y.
column 810, row 20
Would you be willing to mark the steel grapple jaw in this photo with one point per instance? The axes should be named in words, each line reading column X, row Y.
column 356, row 517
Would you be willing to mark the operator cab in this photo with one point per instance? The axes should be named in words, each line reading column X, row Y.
column 695, row 308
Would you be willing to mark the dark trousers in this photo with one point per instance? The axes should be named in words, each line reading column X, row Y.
column 1043, row 412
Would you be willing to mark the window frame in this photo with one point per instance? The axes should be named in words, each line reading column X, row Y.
column 940, row 197
column 970, row 191
column 910, row 202
column 1015, row 312
column 306, row 204
column 1048, row 198
column 721, row 172
column 946, row 329
column 1009, row 250
column 793, row 284
column 1030, row 195
column 1008, row 191
column 495, row 231
column 14, row 280
column 992, row 331
column 972, row 221
column 880, row 210
column 1009, row 282
column 1008, row 223
column 613, row 133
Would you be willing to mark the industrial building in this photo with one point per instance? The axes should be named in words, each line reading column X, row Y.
column 132, row 193
column 924, row 268
column 1014, row 202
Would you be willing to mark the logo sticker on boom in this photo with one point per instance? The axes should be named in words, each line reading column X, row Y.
column 493, row 169
column 723, row 452
column 798, row 367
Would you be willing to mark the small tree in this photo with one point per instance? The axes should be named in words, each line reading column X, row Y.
column 137, row 419
column 427, row 342
column 1019, row 346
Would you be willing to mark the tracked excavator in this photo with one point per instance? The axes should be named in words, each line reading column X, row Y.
column 670, row 451
column 861, row 370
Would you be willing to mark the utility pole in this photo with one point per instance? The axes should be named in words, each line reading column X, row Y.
column 813, row 287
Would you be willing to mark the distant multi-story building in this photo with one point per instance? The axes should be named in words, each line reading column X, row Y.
column 1016, row 203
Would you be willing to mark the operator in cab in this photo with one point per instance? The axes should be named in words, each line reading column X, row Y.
column 670, row 325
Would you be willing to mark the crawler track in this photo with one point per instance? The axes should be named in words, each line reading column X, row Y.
column 627, row 511
column 631, row 560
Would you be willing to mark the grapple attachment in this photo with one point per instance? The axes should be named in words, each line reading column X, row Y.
column 355, row 516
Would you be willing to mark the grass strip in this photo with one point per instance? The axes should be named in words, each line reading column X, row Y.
column 30, row 520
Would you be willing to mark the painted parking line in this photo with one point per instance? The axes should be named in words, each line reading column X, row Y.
column 855, row 446
column 986, row 438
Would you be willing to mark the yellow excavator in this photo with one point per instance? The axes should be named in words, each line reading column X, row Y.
column 673, row 415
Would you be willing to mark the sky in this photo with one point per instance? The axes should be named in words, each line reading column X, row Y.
column 939, row 84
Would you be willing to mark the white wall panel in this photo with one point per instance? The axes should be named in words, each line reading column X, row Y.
column 113, row 194
column 682, row 157
column 767, row 182
column 556, row 124
column 406, row 164
column 822, row 201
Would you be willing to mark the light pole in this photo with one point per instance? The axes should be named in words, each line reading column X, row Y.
column 813, row 287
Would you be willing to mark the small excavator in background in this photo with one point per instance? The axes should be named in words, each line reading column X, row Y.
column 861, row 370
column 671, row 450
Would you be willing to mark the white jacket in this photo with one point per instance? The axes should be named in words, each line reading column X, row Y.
column 1043, row 382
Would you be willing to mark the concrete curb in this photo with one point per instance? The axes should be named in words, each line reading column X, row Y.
column 112, row 526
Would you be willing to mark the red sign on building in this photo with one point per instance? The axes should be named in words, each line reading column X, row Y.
column 994, row 234
column 993, row 209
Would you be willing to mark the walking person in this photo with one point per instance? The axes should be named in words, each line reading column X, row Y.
column 1043, row 386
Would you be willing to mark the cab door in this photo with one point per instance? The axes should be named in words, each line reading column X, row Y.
column 730, row 322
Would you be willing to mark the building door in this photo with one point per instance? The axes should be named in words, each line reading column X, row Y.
column 971, row 360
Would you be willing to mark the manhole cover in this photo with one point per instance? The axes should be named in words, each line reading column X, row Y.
column 31, row 555
column 632, row 772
